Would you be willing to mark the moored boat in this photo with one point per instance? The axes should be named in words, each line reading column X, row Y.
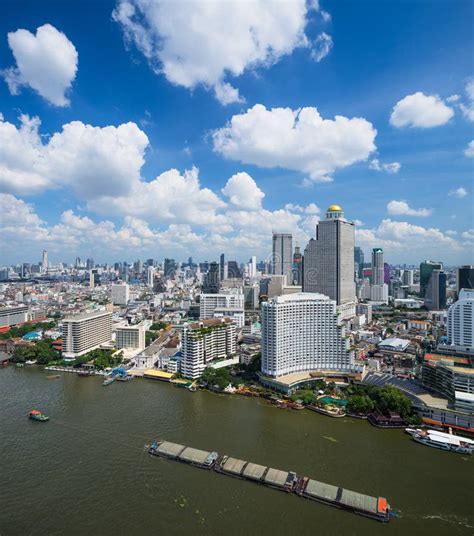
column 443, row 441
column 108, row 381
column 36, row 415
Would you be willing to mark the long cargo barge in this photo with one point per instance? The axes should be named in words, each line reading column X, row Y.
column 303, row 486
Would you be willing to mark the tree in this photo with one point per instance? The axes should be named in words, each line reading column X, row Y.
column 361, row 404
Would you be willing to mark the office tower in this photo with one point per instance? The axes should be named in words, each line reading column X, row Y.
column 169, row 267
column 222, row 267
column 407, row 278
column 426, row 267
column 84, row 332
column 44, row 263
column 233, row 270
column 301, row 333
column 120, row 294
column 252, row 266
column 435, row 294
column 77, row 264
column 358, row 261
column 386, row 273
column 94, row 278
column 130, row 336
column 377, row 267
column 204, row 342
column 297, row 267
column 282, row 255
column 90, row 264
column 229, row 302
column 211, row 279
column 365, row 309
column 251, row 295
column 150, row 276
column 329, row 259
column 460, row 326
column 125, row 271
column 465, row 278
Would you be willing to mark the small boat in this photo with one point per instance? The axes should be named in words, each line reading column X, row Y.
column 108, row 381
column 20, row 365
column 84, row 373
column 413, row 431
column 36, row 415
column 126, row 378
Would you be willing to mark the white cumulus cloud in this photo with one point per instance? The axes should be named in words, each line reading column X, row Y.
column 389, row 167
column 47, row 62
column 201, row 43
column 468, row 108
column 458, row 192
column 243, row 192
column 93, row 161
column 398, row 208
column 298, row 139
column 420, row 110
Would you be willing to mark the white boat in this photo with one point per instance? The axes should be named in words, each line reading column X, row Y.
column 443, row 441
column 413, row 431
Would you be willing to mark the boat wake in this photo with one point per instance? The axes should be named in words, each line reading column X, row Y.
column 452, row 519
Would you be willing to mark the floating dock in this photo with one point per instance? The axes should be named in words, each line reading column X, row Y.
column 373, row 507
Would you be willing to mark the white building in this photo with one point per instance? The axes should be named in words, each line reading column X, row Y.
column 228, row 303
column 130, row 336
column 379, row 293
column 84, row 332
column 120, row 294
column 329, row 258
column 300, row 333
column 204, row 342
column 9, row 316
column 460, row 328
column 150, row 276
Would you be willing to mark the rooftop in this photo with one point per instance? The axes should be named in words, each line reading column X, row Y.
column 86, row 316
column 300, row 296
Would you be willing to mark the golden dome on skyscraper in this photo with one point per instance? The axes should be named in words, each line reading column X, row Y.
column 334, row 208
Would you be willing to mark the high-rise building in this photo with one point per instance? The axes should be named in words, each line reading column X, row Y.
column 435, row 294
column 233, row 270
column 386, row 273
column 120, row 294
column 84, row 332
column 297, row 267
column 301, row 333
column 150, row 276
column 358, row 261
column 460, row 326
column 94, row 278
column 204, row 342
column 90, row 264
column 282, row 255
column 252, row 266
column 465, row 277
column 407, row 277
column 377, row 267
column 170, row 267
column 222, row 267
column 130, row 336
column 426, row 267
column 229, row 303
column 44, row 264
column 211, row 280
column 329, row 259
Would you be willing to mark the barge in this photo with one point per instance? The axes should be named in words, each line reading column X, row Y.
column 373, row 507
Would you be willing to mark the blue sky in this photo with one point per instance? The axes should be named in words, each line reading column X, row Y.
column 160, row 69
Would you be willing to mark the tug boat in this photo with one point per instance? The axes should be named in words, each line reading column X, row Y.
column 36, row 415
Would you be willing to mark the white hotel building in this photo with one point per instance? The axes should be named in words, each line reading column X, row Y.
column 460, row 328
column 301, row 333
column 228, row 303
column 84, row 332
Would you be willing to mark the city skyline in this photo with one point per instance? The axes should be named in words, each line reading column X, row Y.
column 126, row 148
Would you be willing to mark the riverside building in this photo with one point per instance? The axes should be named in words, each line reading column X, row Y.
column 84, row 332
column 204, row 342
column 301, row 333
column 460, row 328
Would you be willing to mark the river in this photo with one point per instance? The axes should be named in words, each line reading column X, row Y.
column 86, row 471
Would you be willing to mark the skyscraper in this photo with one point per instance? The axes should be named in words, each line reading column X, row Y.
column 358, row 261
column 282, row 255
column 329, row 258
column 435, row 294
column 460, row 328
column 426, row 267
column 465, row 278
column 297, row 266
column 44, row 264
column 377, row 267
column 150, row 276
column 211, row 280
column 222, row 267
column 169, row 267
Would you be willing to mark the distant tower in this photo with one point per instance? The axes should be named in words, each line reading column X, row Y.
column 465, row 278
column 359, row 260
column 329, row 258
column 426, row 267
column 44, row 264
column 222, row 267
column 282, row 255
column 150, row 276
column 297, row 266
column 378, row 272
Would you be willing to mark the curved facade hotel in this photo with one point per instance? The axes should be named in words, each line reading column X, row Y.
column 301, row 333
